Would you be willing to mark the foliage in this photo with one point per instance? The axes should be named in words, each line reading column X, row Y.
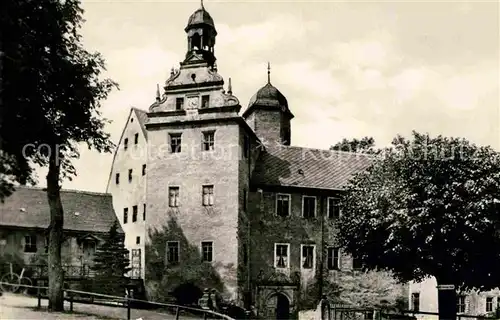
column 427, row 207
column 370, row 289
column 50, row 102
column 190, row 272
column 111, row 262
column 363, row 145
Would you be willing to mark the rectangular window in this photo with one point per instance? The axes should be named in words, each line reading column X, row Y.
column 205, row 101
column 281, row 255
column 125, row 144
column 489, row 304
column 283, row 205
column 208, row 141
column 175, row 142
column 173, row 196
column 207, row 251
column 246, row 146
column 333, row 208
column 415, row 301
column 307, row 256
column 208, row 195
column 333, row 258
column 173, row 253
column 137, row 240
column 179, row 103
column 136, row 138
column 461, row 304
column 144, row 212
column 308, row 207
column 134, row 213
column 30, row 244
column 357, row 263
column 129, row 175
column 117, row 178
column 125, row 215
column 143, row 169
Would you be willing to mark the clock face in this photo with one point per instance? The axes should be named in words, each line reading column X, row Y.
column 193, row 102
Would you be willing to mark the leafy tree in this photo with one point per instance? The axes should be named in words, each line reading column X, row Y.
column 428, row 207
column 364, row 145
column 111, row 262
column 50, row 101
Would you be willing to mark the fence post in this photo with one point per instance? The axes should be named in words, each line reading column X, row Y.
column 70, row 301
column 177, row 313
column 128, row 305
column 39, row 296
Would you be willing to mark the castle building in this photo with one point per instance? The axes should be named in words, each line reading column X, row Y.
column 209, row 197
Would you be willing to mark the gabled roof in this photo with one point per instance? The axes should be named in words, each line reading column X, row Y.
column 142, row 117
column 28, row 207
column 308, row 168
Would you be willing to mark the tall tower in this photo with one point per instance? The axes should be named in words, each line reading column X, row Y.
column 268, row 114
column 194, row 187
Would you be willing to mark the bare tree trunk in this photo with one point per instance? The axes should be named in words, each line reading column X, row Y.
column 447, row 300
column 56, row 277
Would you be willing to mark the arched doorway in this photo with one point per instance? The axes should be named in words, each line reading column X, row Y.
column 278, row 307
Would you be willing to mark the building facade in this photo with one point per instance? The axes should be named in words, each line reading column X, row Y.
column 25, row 217
column 231, row 205
column 423, row 296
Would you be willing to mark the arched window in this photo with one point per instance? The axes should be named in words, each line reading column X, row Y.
column 195, row 42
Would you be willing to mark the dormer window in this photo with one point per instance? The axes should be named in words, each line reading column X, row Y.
column 205, row 101
column 179, row 104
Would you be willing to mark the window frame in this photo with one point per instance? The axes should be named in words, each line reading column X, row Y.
column 302, row 258
column 135, row 212
column 209, row 187
column 289, row 204
column 415, row 297
column 136, row 139
column 179, row 103
column 211, row 242
column 205, row 98
column 177, row 136
column 315, row 206
column 328, row 259
column 143, row 212
column 125, row 144
column 178, row 246
column 30, row 246
column 489, row 303
column 464, row 304
column 328, row 208
column 207, row 143
column 130, row 175
column 137, row 240
column 287, row 267
column 125, row 215
column 171, row 203
column 144, row 169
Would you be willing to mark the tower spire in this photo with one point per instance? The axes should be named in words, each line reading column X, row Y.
column 229, row 87
column 158, row 98
column 268, row 73
column 202, row 5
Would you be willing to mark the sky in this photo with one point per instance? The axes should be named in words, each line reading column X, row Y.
column 348, row 69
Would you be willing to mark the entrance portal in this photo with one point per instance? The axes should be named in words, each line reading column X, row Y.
column 282, row 307
column 278, row 307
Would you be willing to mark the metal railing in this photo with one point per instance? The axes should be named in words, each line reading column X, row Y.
column 72, row 296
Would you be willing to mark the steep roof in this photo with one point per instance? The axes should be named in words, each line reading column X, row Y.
column 142, row 116
column 308, row 168
column 28, row 207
